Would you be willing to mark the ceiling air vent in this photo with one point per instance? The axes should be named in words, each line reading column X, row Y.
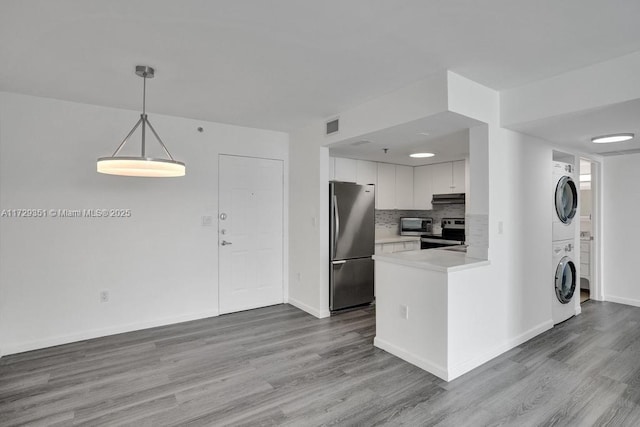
column 333, row 126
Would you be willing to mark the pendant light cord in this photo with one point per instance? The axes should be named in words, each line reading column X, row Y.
column 144, row 113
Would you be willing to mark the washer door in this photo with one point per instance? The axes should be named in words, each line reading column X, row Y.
column 566, row 199
column 565, row 280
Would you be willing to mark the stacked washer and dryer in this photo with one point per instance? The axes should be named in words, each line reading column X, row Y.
column 564, row 237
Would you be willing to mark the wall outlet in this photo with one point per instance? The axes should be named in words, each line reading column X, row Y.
column 404, row 311
column 104, row 296
column 298, row 277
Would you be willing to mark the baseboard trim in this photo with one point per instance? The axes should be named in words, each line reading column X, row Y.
column 621, row 300
column 320, row 314
column 21, row 347
column 462, row 368
column 407, row 356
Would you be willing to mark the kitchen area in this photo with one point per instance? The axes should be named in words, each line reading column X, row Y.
column 405, row 187
column 398, row 239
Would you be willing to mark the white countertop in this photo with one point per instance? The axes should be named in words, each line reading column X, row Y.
column 395, row 239
column 433, row 259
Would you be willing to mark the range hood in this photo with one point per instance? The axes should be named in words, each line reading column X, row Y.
column 448, row 199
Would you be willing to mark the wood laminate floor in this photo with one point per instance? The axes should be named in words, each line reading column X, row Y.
column 280, row 366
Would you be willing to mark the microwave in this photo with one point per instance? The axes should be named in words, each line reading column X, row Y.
column 415, row 226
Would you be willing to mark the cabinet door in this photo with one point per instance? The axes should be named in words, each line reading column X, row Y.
column 398, row 247
column 404, row 187
column 459, row 172
column 422, row 188
column 441, row 177
column 345, row 170
column 386, row 197
column 387, row 248
column 366, row 172
column 585, row 270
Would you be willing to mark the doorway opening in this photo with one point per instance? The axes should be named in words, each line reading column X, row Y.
column 587, row 228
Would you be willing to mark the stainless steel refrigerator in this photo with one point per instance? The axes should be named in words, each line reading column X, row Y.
column 352, row 241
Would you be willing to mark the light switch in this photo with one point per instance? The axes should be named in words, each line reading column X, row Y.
column 207, row 220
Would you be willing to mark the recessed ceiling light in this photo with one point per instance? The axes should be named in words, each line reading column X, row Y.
column 421, row 155
column 423, row 133
column 616, row 137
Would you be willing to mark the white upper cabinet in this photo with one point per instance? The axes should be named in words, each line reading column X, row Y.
column 366, row 172
column 459, row 173
column 349, row 170
column 395, row 187
column 386, row 194
column 422, row 188
column 404, row 187
column 346, row 170
column 448, row 177
column 441, row 177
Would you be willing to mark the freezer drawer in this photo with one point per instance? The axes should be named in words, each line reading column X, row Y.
column 351, row 283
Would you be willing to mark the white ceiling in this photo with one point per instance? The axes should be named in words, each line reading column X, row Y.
column 576, row 130
column 281, row 64
column 448, row 139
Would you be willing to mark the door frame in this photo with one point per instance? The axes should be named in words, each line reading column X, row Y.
column 285, row 223
column 596, row 291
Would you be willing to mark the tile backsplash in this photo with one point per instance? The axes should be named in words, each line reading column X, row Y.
column 388, row 221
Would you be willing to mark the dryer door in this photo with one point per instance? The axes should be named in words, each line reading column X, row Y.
column 565, row 280
column 566, row 199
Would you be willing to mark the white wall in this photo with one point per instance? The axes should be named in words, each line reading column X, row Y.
column 310, row 167
column 160, row 265
column 621, row 229
column 424, row 98
column 509, row 301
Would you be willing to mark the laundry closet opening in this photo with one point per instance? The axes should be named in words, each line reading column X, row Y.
column 586, row 229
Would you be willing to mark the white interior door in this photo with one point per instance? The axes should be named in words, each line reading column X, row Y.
column 250, row 233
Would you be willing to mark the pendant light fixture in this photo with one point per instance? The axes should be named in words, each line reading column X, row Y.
column 141, row 166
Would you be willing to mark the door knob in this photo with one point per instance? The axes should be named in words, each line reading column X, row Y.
column 225, row 243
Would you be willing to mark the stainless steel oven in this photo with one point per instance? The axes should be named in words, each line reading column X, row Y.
column 453, row 234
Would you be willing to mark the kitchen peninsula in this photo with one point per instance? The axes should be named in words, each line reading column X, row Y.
column 425, row 302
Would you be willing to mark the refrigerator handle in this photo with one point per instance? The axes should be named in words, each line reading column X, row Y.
column 336, row 229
